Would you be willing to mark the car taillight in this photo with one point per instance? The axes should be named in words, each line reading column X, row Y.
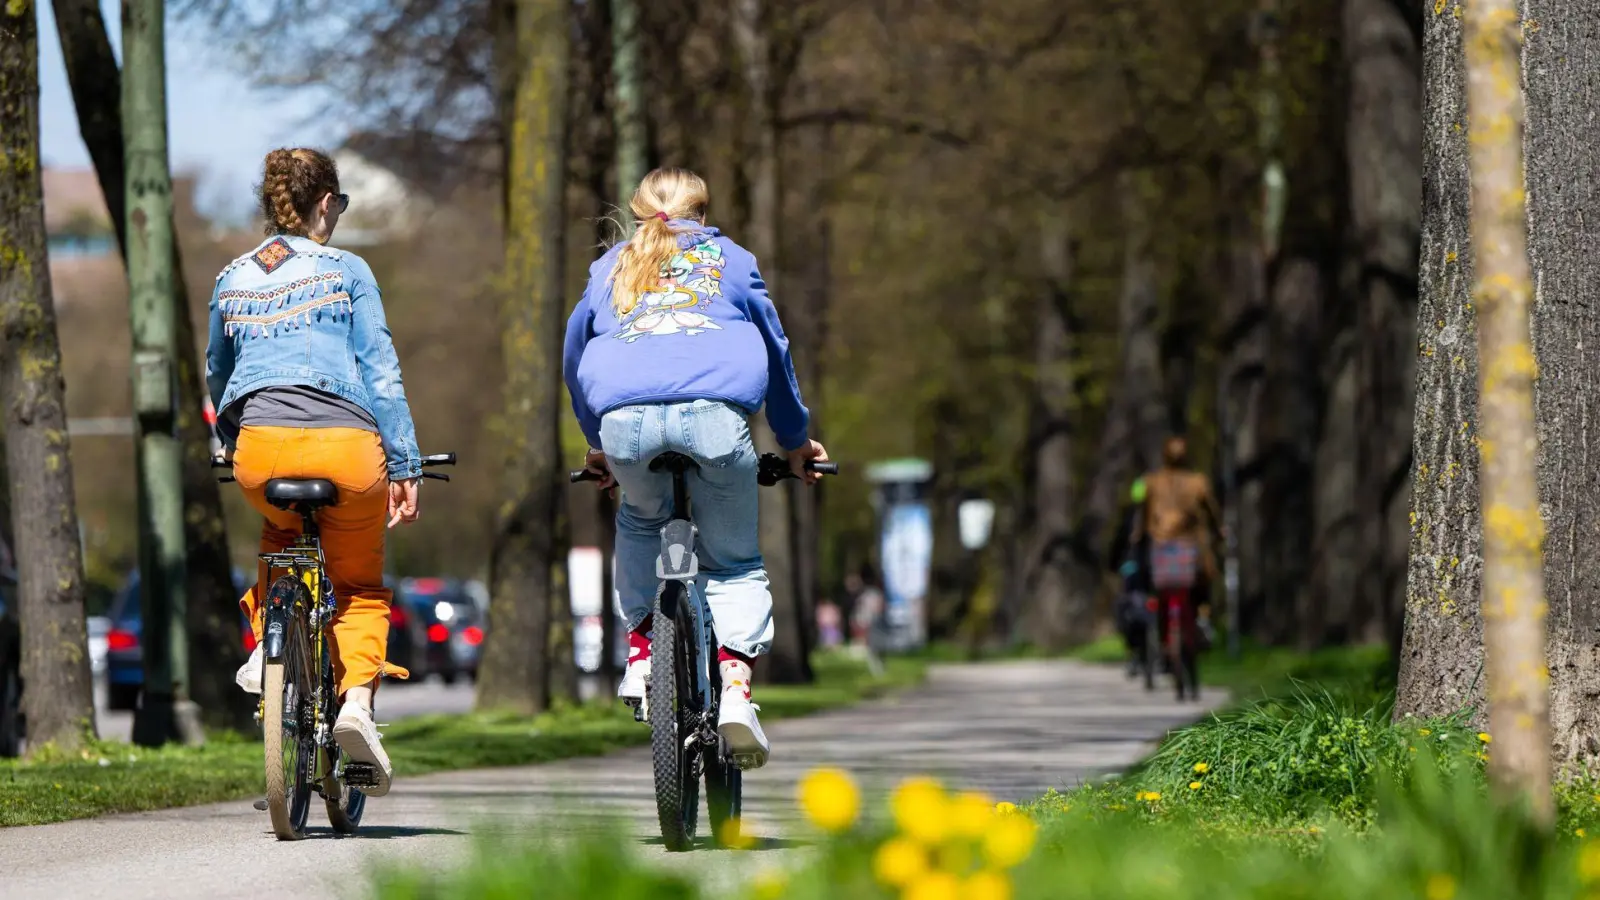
column 472, row 634
column 117, row 639
column 438, row 633
column 249, row 641
column 1150, row 604
column 397, row 616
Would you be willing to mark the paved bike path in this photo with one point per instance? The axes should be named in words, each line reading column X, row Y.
column 1010, row 729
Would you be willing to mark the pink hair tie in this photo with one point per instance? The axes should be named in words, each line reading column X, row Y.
column 662, row 216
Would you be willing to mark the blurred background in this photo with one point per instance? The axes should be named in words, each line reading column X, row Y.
column 1020, row 243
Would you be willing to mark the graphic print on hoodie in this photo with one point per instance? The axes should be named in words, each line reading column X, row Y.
column 707, row 332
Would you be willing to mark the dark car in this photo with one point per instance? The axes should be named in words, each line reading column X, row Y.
column 450, row 623
column 125, row 652
column 10, row 666
column 407, row 635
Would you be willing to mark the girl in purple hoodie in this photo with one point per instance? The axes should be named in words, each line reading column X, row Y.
column 673, row 346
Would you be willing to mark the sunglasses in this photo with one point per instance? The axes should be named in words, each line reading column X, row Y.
column 343, row 201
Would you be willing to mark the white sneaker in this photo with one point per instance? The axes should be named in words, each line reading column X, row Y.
column 634, row 679
column 358, row 737
column 738, row 725
column 249, row 674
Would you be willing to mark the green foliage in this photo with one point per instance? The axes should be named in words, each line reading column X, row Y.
column 591, row 868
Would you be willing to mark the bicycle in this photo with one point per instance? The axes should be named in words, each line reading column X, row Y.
column 1182, row 651
column 683, row 695
column 299, row 697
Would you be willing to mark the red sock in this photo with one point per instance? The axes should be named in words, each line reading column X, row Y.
column 726, row 655
column 639, row 642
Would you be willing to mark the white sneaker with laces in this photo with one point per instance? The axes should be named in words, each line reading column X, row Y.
column 736, row 719
column 358, row 737
column 249, row 674
column 634, row 679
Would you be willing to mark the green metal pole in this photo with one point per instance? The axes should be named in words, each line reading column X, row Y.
column 167, row 713
column 630, row 121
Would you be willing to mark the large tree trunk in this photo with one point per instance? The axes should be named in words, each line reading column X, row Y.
column 529, row 544
column 59, row 701
column 1060, row 582
column 1383, row 159
column 789, row 661
column 213, row 617
column 1563, row 165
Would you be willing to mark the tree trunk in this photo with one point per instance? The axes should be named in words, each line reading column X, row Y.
column 1060, row 585
column 789, row 660
column 59, row 702
column 1563, row 162
column 213, row 617
column 1383, row 162
column 628, row 73
column 1513, row 529
column 529, row 543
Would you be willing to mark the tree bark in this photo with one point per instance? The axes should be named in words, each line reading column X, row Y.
column 213, row 617
column 530, row 543
column 58, row 703
column 1060, row 585
column 630, row 111
column 1383, row 158
column 789, row 660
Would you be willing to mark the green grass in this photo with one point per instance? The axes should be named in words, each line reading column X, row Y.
column 110, row 776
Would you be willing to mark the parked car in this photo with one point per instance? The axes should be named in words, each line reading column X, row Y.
column 406, row 636
column 451, row 626
column 10, row 666
column 125, row 652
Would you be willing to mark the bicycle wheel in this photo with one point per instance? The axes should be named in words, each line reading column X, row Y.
column 672, row 659
column 1152, row 652
column 289, row 745
column 345, row 803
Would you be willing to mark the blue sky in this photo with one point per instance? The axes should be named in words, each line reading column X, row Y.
column 220, row 126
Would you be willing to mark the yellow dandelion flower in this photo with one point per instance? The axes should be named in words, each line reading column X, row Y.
column 768, row 885
column 1424, row 731
column 1148, row 796
column 899, row 861
column 1194, row 785
column 1004, row 808
column 970, row 814
column 934, row 886
column 830, row 799
column 1440, row 887
column 921, row 809
column 987, row 885
column 1484, row 737
column 1589, row 862
column 1201, row 768
column 1581, row 833
column 732, row 835
column 1008, row 841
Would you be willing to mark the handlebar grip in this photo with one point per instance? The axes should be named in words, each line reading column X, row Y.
column 578, row 475
column 437, row 476
column 439, row 459
column 823, row 468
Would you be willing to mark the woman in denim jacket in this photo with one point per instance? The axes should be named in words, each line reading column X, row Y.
column 674, row 344
column 303, row 374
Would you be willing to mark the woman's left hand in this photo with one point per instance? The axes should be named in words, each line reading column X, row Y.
column 403, row 503
column 595, row 461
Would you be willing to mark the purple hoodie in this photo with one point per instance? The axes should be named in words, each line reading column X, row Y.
column 709, row 333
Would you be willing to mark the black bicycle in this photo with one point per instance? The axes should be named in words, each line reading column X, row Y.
column 684, row 693
column 299, row 697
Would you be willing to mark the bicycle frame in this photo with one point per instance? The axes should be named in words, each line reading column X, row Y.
column 680, row 533
column 305, row 561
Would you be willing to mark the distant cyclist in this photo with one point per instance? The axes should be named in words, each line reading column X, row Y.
column 305, row 380
column 674, row 344
column 1129, row 558
column 1179, row 517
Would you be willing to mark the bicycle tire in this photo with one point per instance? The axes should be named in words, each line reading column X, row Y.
column 1152, row 652
column 677, row 788
column 345, row 804
column 284, row 697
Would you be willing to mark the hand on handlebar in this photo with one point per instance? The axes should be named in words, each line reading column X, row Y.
column 798, row 457
column 595, row 461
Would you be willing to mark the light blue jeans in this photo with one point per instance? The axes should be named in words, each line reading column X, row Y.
column 722, row 494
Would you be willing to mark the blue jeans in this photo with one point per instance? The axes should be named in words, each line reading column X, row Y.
column 722, row 492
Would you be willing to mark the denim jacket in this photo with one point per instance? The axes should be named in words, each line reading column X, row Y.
column 294, row 312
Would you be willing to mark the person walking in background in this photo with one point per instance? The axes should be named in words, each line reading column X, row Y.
column 830, row 624
column 1179, row 517
column 673, row 345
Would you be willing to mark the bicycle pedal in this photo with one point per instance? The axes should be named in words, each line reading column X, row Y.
column 638, row 712
column 746, row 761
column 361, row 775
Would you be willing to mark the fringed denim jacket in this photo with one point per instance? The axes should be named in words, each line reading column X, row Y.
column 294, row 312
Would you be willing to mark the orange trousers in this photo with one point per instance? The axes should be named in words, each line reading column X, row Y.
column 352, row 533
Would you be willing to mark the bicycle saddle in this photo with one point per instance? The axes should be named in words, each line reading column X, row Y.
column 287, row 493
column 674, row 462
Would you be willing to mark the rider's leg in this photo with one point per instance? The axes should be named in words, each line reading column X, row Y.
column 256, row 461
column 631, row 437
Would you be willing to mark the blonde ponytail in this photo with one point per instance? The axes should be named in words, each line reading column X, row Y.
column 663, row 195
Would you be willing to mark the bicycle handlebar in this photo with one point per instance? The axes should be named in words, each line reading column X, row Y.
column 438, row 459
column 770, row 469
